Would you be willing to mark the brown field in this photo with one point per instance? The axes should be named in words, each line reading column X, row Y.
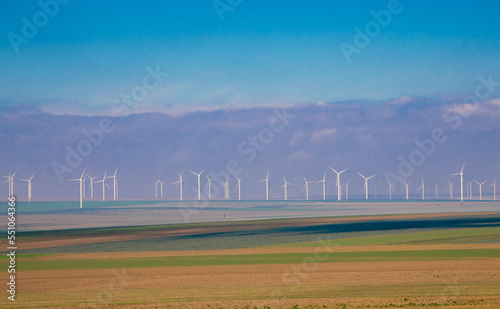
column 455, row 283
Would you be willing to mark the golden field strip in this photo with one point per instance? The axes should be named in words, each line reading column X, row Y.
column 452, row 261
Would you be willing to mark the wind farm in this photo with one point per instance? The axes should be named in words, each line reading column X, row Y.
column 232, row 154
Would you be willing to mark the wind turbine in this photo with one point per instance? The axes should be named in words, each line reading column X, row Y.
column 199, row 190
column 406, row 186
column 347, row 190
column 180, row 183
column 461, row 173
column 29, row 186
column 91, row 186
column 494, row 184
column 469, row 189
column 366, row 183
column 161, row 189
column 339, row 195
column 285, row 187
column 81, row 179
column 239, row 188
column 267, row 185
column 209, row 193
column 104, row 184
column 115, row 185
column 84, row 189
column 10, row 179
column 480, row 189
column 156, row 188
column 226, row 189
column 436, row 191
column 390, row 190
column 451, row 189
column 306, row 187
column 324, row 186
column 423, row 188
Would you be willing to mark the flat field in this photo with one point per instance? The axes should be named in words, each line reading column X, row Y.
column 407, row 261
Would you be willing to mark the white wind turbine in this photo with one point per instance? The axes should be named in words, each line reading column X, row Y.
column 324, row 186
column 81, row 179
column 161, row 189
column 180, row 183
column 10, row 179
column 226, row 189
column 199, row 188
column 461, row 173
column 451, row 189
column 347, row 190
column 91, row 186
column 390, row 190
column 209, row 193
column 494, row 184
column 29, row 186
column 267, row 185
column 406, row 187
column 84, row 182
column 104, row 184
column 366, row 183
column 436, row 191
column 156, row 188
column 306, row 187
column 239, row 188
column 285, row 187
column 423, row 188
column 339, row 195
column 480, row 184
column 115, row 184
column 469, row 189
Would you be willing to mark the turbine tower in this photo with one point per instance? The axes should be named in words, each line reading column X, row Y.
column 390, row 190
column 469, row 189
column 115, row 185
column 494, row 184
column 104, row 184
column 423, row 188
column 347, row 190
column 226, row 189
column 29, row 186
column 239, row 188
column 180, row 183
column 156, row 188
column 366, row 183
column 406, row 186
column 209, row 193
column 451, row 189
column 267, row 185
column 339, row 195
column 324, row 186
column 306, row 187
column 91, row 186
column 461, row 173
column 10, row 179
column 84, row 181
column 161, row 189
column 81, row 179
column 436, row 191
column 199, row 188
column 480, row 184
column 285, row 187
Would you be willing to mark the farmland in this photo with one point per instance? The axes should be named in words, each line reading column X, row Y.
column 420, row 260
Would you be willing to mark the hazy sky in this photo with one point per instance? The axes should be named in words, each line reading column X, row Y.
column 253, row 53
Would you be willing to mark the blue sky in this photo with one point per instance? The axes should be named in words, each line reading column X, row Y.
column 261, row 53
